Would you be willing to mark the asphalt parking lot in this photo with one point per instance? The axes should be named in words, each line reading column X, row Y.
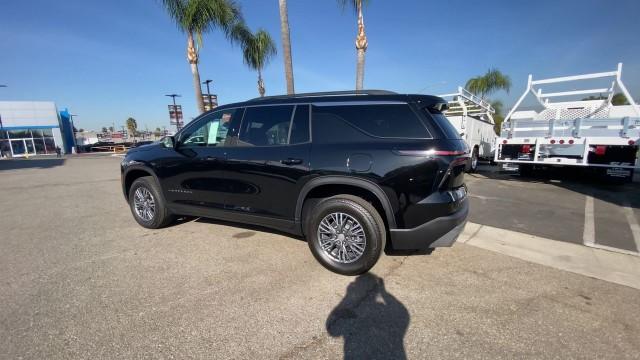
column 80, row 279
column 561, row 205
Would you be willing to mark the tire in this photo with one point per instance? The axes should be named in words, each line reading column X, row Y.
column 473, row 162
column 149, row 191
column 525, row 170
column 347, row 261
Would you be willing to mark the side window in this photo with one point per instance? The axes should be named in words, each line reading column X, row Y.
column 380, row 120
column 448, row 129
column 266, row 126
column 300, row 125
column 212, row 130
column 331, row 128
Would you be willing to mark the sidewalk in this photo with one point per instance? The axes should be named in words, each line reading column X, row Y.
column 597, row 263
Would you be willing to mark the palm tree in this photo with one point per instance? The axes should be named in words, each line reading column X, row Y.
column 286, row 46
column 257, row 51
column 492, row 81
column 498, row 116
column 194, row 18
column 361, row 39
column 132, row 126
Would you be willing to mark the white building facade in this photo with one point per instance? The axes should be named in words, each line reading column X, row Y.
column 29, row 128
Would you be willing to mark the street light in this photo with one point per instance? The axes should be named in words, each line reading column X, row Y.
column 73, row 130
column 208, row 92
column 175, row 109
column 1, row 126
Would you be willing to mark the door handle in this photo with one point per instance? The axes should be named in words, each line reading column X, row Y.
column 211, row 158
column 291, row 161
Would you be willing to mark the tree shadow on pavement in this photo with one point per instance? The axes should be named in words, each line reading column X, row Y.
column 14, row 164
column 372, row 322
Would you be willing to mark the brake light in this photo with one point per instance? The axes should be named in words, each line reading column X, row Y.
column 526, row 148
column 552, row 141
column 504, row 141
column 631, row 142
column 571, row 141
column 600, row 150
column 561, row 142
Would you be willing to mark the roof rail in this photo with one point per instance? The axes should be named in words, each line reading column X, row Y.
column 327, row 93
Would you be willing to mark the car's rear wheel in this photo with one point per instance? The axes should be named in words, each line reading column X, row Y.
column 345, row 234
column 147, row 205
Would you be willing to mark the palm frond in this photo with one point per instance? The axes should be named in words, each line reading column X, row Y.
column 493, row 80
column 353, row 4
column 258, row 49
column 201, row 16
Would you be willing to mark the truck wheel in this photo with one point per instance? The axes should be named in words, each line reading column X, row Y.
column 525, row 170
column 473, row 163
column 146, row 204
column 345, row 234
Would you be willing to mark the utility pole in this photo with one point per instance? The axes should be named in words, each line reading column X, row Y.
column 175, row 109
column 209, row 93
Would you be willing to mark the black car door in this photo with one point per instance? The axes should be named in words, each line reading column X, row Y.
column 195, row 181
column 269, row 163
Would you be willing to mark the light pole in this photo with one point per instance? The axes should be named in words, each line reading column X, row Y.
column 209, row 92
column 2, row 128
column 73, row 130
column 175, row 108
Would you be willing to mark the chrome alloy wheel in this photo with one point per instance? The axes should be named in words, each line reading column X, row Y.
column 144, row 204
column 341, row 237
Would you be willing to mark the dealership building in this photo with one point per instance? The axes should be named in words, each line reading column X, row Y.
column 34, row 128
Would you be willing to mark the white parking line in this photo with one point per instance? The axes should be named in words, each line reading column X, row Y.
column 633, row 224
column 589, row 234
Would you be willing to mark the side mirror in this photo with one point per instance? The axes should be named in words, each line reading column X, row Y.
column 168, row 142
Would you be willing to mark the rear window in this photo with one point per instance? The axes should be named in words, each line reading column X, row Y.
column 379, row 120
column 448, row 129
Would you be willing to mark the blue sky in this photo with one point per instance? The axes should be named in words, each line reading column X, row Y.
column 108, row 60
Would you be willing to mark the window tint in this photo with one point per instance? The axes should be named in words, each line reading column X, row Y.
column 211, row 130
column 448, row 129
column 329, row 128
column 381, row 120
column 266, row 126
column 300, row 126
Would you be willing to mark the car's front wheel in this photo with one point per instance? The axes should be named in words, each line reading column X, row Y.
column 147, row 206
column 345, row 234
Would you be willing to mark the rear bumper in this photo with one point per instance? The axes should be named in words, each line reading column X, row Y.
column 440, row 232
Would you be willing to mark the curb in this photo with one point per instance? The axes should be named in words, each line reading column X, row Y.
column 619, row 268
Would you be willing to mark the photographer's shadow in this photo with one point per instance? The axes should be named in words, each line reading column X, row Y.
column 372, row 321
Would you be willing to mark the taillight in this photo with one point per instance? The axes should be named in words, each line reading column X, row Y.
column 631, row 142
column 561, row 142
column 504, row 141
column 571, row 142
column 526, row 148
column 552, row 141
column 600, row 150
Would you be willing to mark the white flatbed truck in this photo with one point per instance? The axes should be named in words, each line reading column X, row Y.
column 473, row 118
column 591, row 134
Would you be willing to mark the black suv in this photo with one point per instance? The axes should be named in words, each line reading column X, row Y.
column 346, row 170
